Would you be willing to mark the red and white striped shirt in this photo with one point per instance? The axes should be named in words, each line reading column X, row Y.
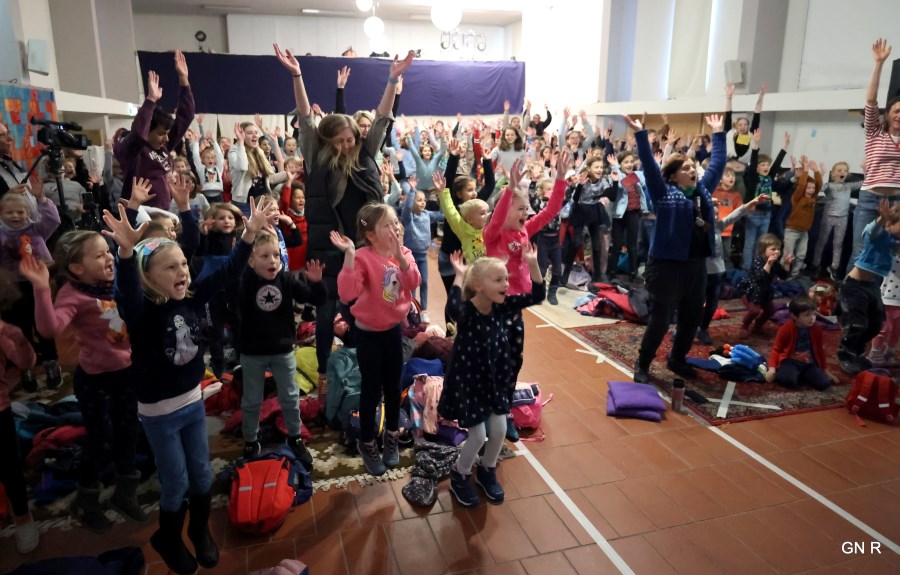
column 882, row 153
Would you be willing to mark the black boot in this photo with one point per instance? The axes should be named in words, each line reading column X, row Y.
column 198, row 531
column 87, row 509
column 168, row 542
column 551, row 293
column 124, row 500
column 564, row 280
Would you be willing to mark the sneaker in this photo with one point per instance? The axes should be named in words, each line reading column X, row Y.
column 251, row 449
column 53, row 373
column 486, row 478
column 832, row 273
column 641, row 374
column 877, row 357
column 424, row 317
column 451, row 329
column 27, row 535
column 512, row 433
column 299, row 449
column 682, row 368
column 461, row 488
column 703, row 337
column 29, row 383
column 391, row 455
column 371, row 458
column 849, row 362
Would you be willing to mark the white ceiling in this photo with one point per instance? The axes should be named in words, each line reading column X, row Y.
column 484, row 12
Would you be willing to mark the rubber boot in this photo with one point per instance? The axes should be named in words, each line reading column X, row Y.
column 554, row 287
column 198, row 531
column 87, row 509
column 168, row 543
column 124, row 500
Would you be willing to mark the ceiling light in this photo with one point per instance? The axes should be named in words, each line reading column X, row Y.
column 446, row 15
column 364, row 5
column 373, row 27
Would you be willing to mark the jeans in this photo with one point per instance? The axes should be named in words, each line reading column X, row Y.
column 109, row 408
column 494, row 430
column 325, row 315
column 793, row 373
column 648, row 225
column 627, row 229
column 12, row 474
column 422, row 263
column 838, row 225
column 726, row 252
column 181, row 449
column 862, row 315
column 244, row 207
column 673, row 285
column 865, row 212
column 795, row 242
column 380, row 357
column 282, row 367
column 599, row 247
column 713, row 283
column 755, row 225
column 549, row 254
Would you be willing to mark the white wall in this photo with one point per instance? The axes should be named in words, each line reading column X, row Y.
column 826, row 136
column 254, row 34
column 652, row 49
column 163, row 32
column 35, row 24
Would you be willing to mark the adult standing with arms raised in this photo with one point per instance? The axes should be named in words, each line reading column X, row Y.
column 882, row 164
column 342, row 175
column 684, row 237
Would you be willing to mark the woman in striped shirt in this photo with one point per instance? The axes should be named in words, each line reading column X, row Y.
column 882, row 163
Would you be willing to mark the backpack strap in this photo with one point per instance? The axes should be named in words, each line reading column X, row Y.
column 855, row 404
column 243, row 501
column 269, row 488
column 884, row 401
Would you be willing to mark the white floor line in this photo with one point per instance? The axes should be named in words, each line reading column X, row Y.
column 812, row 493
column 580, row 517
column 809, row 491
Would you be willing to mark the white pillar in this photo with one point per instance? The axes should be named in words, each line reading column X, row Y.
column 690, row 42
column 652, row 49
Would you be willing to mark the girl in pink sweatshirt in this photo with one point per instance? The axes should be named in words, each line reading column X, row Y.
column 509, row 229
column 380, row 277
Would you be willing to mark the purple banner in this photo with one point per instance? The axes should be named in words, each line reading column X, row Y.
column 231, row 84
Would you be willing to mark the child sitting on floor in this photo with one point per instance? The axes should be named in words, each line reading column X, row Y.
column 798, row 357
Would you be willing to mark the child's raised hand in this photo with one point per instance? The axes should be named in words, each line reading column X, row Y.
column 35, row 271
column 181, row 190
column 757, row 137
column 614, row 176
column 787, row 140
column 563, row 163
column 612, row 160
column 715, row 122
column 515, row 173
column 239, row 133
column 813, row 166
column 343, row 76
column 884, row 209
column 453, row 147
column 206, row 225
column 287, row 60
column 261, row 213
column 439, row 182
column 258, row 120
column 181, row 66
column 412, row 181
column 505, row 106
column 342, row 242
column 635, row 125
column 399, row 67
column 154, row 92
column 529, row 252
column 314, row 269
column 729, row 91
column 140, row 191
column 200, row 118
column 760, row 198
column 459, row 263
column 881, row 50
column 120, row 230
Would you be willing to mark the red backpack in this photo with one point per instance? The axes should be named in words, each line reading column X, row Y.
column 873, row 396
column 261, row 495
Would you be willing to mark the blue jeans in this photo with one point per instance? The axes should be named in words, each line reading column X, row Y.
column 181, row 449
column 244, row 207
column 283, row 367
column 865, row 212
column 422, row 263
column 756, row 224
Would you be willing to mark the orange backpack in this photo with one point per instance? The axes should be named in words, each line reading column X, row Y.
column 873, row 396
column 261, row 495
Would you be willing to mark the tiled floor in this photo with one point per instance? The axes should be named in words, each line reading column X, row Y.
column 672, row 497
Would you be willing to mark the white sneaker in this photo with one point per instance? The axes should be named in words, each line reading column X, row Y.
column 877, row 357
column 424, row 318
column 27, row 536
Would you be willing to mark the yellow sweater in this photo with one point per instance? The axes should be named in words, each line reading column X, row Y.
column 472, row 240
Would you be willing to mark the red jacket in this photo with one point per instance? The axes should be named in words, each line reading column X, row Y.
column 786, row 343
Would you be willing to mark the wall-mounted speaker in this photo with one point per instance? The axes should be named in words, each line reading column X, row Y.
column 734, row 72
column 37, row 59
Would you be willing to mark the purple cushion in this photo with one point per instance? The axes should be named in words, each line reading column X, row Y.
column 630, row 395
column 647, row 414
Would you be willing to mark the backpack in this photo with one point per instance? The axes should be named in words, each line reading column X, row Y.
column 344, row 385
column 261, row 495
column 528, row 416
column 873, row 396
column 306, row 376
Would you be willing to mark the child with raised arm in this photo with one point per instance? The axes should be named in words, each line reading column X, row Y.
column 417, row 223
column 738, row 138
column 145, row 151
column 834, row 219
column 758, row 179
column 210, row 166
column 504, row 237
column 758, row 296
column 483, row 366
column 803, row 211
column 162, row 312
column 378, row 279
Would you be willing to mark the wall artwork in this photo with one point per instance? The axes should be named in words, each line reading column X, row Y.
column 18, row 103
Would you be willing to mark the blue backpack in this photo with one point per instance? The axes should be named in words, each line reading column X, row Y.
column 344, row 386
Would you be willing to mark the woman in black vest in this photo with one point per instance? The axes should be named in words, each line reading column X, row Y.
column 341, row 177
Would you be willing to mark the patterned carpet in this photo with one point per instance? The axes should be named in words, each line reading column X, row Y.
column 622, row 340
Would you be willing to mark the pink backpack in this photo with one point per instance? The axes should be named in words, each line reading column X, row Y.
column 529, row 416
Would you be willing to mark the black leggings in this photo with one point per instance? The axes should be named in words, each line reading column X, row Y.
column 713, row 283
column 325, row 315
column 21, row 315
column 515, row 333
column 627, row 229
column 109, row 407
column 11, row 475
column 380, row 357
column 599, row 254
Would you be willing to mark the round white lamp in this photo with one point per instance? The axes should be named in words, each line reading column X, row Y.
column 379, row 44
column 373, row 27
column 446, row 15
column 364, row 5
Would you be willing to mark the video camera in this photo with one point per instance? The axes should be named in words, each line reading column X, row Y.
column 54, row 135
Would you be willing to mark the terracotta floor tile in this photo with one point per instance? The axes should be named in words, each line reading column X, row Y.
column 502, row 533
column 621, row 513
column 777, row 552
column 542, row 525
column 625, row 459
column 603, row 425
column 853, row 460
column 562, row 401
column 638, row 554
column 874, row 506
column 269, row 554
column 745, row 435
column 886, row 445
column 460, row 543
column 407, row 510
column 656, row 452
column 589, row 461
column 759, row 485
column 719, row 488
column 415, row 548
column 587, row 395
column 826, row 521
column 656, row 505
column 555, row 563
column 300, row 522
column 692, row 499
column 508, row 568
column 563, row 429
column 688, row 450
column 234, row 562
column 335, row 510
column 235, row 539
column 809, row 537
column 811, row 472
column 563, row 467
column 807, row 428
column 772, row 434
column 870, row 565
column 727, row 551
column 593, row 516
column 323, row 554
column 680, row 551
column 375, row 503
column 368, row 551
column 518, row 472
column 830, row 570
column 710, row 443
column 157, row 568
column 590, row 560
